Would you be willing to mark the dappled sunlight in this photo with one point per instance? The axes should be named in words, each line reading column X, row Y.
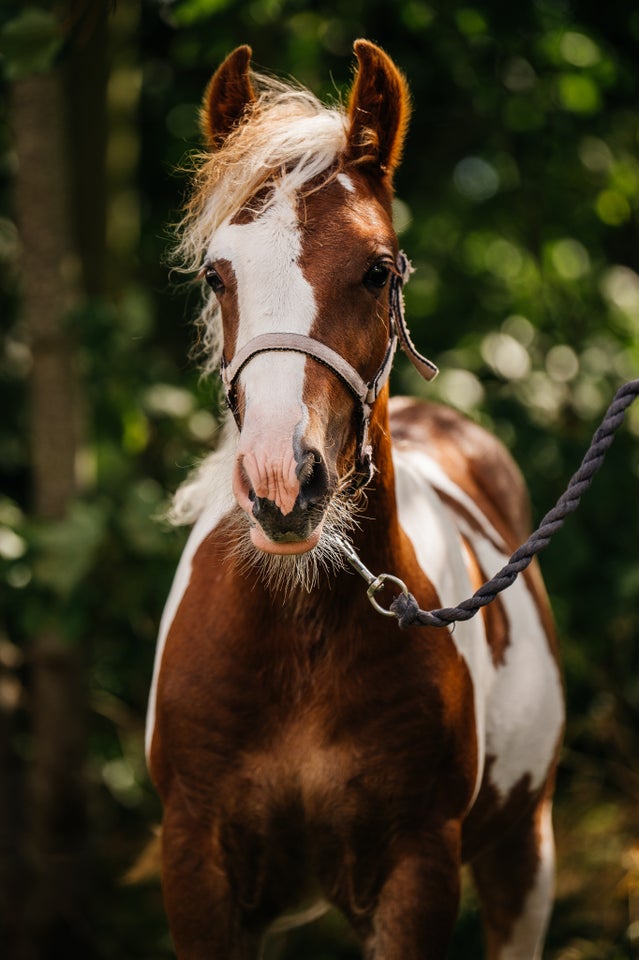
column 518, row 205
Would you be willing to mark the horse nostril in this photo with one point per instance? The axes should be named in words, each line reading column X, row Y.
column 242, row 486
column 313, row 478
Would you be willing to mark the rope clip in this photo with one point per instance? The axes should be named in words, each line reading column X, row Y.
column 375, row 583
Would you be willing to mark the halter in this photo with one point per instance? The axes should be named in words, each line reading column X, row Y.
column 365, row 393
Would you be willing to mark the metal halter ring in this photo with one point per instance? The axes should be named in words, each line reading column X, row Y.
column 377, row 585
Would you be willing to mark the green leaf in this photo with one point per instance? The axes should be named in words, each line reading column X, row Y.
column 192, row 11
column 30, row 42
column 64, row 551
column 579, row 93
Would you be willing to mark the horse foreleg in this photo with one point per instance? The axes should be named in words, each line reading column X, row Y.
column 515, row 883
column 204, row 919
column 418, row 903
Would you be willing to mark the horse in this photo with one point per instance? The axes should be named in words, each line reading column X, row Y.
column 307, row 751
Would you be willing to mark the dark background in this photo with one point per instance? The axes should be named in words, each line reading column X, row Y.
column 519, row 200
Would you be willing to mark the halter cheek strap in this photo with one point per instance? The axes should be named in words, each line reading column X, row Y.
column 365, row 393
column 425, row 367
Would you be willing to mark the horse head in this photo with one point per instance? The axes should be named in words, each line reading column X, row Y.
column 301, row 259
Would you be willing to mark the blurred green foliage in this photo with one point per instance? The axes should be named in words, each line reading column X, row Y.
column 518, row 201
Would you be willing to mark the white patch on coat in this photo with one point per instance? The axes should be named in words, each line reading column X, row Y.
column 346, row 182
column 215, row 496
column 527, row 937
column 518, row 704
column 438, row 548
column 441, row 481
column 289, row 921
column 525, row 711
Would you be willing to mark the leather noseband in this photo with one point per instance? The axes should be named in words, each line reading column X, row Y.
column 364, row 392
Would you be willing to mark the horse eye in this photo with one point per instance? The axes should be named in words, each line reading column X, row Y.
column 214, row 280
column 377, row 276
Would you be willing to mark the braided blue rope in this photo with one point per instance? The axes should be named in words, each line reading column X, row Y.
column 406, row 608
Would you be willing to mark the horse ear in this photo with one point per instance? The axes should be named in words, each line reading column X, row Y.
column 228, row 94
column 379, row 109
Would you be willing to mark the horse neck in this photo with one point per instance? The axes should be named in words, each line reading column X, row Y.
column 380, row 540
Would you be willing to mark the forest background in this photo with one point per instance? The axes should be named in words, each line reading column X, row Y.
column 518, row 202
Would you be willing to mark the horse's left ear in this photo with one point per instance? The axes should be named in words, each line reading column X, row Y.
column 227, row 96
column 378, row 109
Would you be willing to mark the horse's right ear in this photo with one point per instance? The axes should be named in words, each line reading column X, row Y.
column 379, row 108
column 227, row 96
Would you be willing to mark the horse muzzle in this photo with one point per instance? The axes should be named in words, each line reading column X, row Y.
column 279, row 523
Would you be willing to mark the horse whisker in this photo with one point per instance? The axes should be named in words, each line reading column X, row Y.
column 287, row 574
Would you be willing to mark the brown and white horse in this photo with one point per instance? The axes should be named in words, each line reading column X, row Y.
column 308, row 752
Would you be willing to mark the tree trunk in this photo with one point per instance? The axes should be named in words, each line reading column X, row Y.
column 53, row 921
column 49, row 287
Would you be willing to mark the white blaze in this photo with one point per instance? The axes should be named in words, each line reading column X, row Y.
column 273, row 295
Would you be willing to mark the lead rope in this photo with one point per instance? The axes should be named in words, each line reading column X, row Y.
column 406, row 609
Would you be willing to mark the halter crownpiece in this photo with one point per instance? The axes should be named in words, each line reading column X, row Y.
column 365, row 393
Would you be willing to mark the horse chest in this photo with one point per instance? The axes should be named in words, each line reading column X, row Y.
column 307, row 733
column 301, row 771
column 304, row 807
column 332, row 724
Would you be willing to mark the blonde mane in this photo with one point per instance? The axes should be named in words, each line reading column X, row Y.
column 288, row 135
